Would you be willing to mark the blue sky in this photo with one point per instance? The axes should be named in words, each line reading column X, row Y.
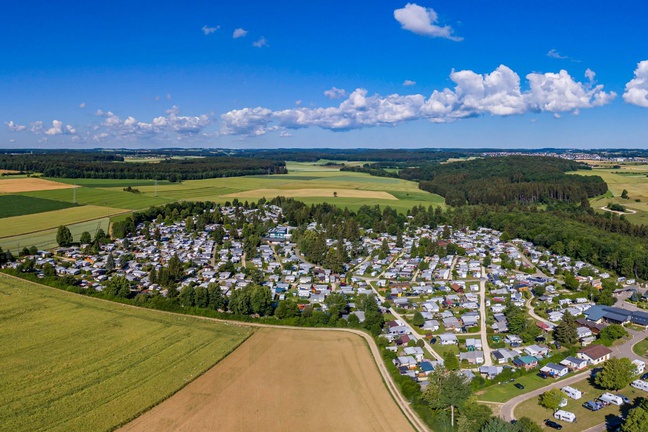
column 385, row 73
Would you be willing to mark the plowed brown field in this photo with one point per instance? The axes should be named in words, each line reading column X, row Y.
column 284, row 380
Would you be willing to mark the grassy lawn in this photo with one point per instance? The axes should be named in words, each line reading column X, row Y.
column 75, row 363
column 443, row 349
column 584, row 417
column 641, row 348
column 505, row 391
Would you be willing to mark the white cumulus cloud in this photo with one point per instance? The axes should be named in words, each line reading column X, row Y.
column 409, row 83
column 13, row 127
column 335, row 93
column 260, row 43
column 423, row 21
column 209, row 30
column 239, row 33
column 59, row 128
column 555, row 54
column 498, row 93
column 636, row 90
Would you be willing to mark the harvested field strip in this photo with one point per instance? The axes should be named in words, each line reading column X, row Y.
column 15, row 185
column 19, row 205
column 42, row 221
column 342, row 193
column 282, row 380
column 74, row 363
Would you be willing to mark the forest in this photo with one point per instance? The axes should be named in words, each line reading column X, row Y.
column 508, row 179
column 112, row 166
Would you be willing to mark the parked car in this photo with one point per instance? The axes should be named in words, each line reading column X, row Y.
column 519, row 386
column 624, row 398
column 593, row 405
column 557, row 345
column 563, row 403
column 553, row 424
column 644, row 376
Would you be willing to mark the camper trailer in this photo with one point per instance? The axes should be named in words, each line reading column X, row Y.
column 641, row 366
column 572, row 392
column 567, row 416
column 611, row 399
column 639, row 384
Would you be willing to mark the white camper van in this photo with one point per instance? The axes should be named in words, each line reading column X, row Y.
column 639, row 384
column 611, row 399
column 567, row 416
column 572, row 392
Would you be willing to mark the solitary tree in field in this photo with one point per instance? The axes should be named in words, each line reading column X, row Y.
column 64, row 236
column 624, row 194
column 334, row 194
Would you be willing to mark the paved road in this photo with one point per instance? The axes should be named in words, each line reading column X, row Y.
column 403, row 404
column 488, row 360
column 623, row 350
column 536, row 316
column 414, row 334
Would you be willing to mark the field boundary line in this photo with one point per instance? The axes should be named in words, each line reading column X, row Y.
column 404, row 406
column 54, row 228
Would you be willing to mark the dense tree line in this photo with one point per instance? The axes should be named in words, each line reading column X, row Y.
column 110, row 166
column 367, row 155
column 503, row 180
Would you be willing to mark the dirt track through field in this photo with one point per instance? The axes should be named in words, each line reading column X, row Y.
column 281, row 380
column 16, row 185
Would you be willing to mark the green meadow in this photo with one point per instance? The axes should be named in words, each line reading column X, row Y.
column 631, row 177
column 72, row 363
column 18, row 205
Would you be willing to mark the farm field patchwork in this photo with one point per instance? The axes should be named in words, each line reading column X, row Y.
column 18, row 205
column 75, row 363
column 15, row 185
column 42, row 221
column 311, row 183
column 282, row 380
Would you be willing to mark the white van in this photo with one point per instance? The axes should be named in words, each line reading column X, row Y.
column 567, row 416
column 572, row 392
column 639, row 384
column 612, row 399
